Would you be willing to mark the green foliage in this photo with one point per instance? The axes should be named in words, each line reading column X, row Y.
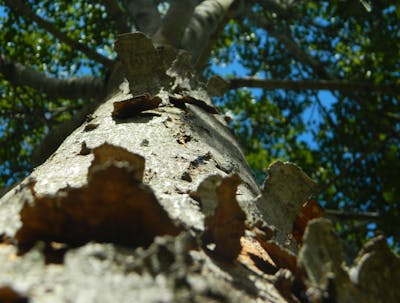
column 26, row 115
column 348, row 142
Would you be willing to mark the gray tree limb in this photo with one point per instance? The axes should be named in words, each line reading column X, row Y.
column 144, row 14
column 72, row 88
column 175, row 22
column 24, row 9
column 340, row 85
column 115, row 13
column 234, row 10
column 205, row 20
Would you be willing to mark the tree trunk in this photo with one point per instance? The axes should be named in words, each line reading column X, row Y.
column 151, row 200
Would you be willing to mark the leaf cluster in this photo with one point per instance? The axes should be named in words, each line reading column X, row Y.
column 349, row 142
column 26, row 115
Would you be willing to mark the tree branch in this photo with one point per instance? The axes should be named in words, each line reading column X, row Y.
column 73, row 88
column 175, row 22
column 347, row 215
column 344, row 171
column 21, row 7
column 144, row 14
column 116, row 14
column 234, row 10
column 290, row 45
column 206, row 17
column 340, row 85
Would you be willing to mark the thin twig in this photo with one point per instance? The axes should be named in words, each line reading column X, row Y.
column 348, row 215
column 340, row 85
column 344, row 171
column 283, row 35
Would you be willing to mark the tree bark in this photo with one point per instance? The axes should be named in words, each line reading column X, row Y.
column 151, row 200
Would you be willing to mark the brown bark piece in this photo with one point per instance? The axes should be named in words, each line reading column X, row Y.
column 133, row 106
column 310, row 210
column 9, row 295
column 115, row 206
column 226, row 225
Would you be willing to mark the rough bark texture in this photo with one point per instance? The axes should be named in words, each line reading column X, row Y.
column 151, row 200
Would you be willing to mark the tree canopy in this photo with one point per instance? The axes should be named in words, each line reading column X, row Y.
column 322, row 82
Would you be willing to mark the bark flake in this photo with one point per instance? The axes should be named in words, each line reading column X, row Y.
column 115, row 206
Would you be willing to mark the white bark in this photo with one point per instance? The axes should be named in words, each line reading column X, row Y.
column 175, row 22
column 144, row 14
column 204, row 22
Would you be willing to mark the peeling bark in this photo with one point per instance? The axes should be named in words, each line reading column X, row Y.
column 370, row 279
